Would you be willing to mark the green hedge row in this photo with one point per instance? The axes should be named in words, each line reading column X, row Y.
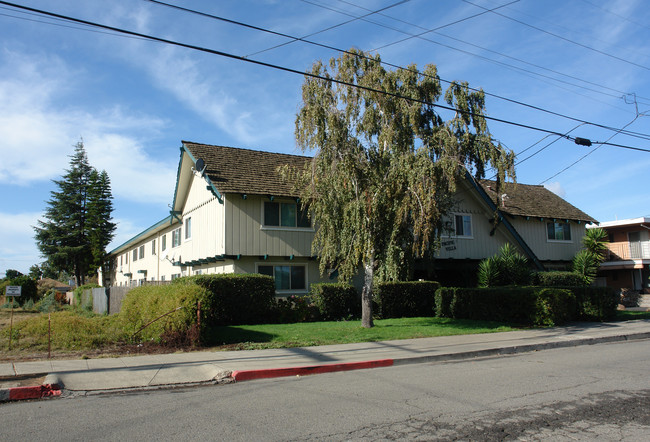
column 558, row 279
column 405, row 299
column 335, row 301
column 527, row 305
column 236, row 299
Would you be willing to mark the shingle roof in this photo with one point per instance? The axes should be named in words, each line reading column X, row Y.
column 234, row 170
column 534, row 201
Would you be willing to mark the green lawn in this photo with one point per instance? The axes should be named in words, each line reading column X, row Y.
column 345, row 332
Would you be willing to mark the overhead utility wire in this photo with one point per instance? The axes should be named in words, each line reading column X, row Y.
column 330, row 27
column 617, row 15
column 426, row 31
column 302, row 39
column 561, row 37
column 286, row 69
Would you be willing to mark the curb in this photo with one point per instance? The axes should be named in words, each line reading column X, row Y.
column 22, row 393
column 265, row 373
column 247, row 375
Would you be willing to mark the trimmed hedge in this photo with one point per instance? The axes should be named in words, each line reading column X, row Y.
column 406, row 299
column 146, row 303
column 335, row 301
column 558, row 279
column 236, row 299
column 526, row 305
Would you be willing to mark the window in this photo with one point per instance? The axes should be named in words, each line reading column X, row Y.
column 188, row 228
column 135, row 255
column 163, row 243
column 153, row 247
column 463, row 225
column 121, row 259
column 141, row 251
column 285, row 215
column 126, row 258
column 162, row 278
column 287, row 277
column 176, row 275
column 176, row 237
column 558, row 231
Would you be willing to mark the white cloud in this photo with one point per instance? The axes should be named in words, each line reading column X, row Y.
column 556, row 188
column 17, row 246
column 39, row 130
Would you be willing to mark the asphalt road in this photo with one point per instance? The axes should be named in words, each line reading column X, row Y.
column 581, row 393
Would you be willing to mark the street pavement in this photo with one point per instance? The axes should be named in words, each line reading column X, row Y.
column 87, row 376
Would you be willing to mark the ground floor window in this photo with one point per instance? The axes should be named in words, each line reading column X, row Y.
column 287, row 277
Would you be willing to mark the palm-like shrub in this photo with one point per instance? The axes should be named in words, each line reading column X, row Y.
column 508, row 267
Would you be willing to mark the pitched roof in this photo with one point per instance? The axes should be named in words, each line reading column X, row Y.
column 534, row 201
column 234, row 170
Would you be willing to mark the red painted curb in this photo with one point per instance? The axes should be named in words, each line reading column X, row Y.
column 247, row 375
column 37, row 392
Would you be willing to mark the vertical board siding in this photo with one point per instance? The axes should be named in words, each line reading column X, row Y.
column 533, row 231
column 245, row 236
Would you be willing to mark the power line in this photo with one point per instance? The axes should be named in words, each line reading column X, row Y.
column 426, row 31
column 287, row 69
column 561, row 37
column 302, row 39
column 329, row 28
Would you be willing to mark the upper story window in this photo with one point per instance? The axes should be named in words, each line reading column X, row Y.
column 188, row 228
column 163, row 242
column 135, row 255
column 141, row 251
column 176, row 237
column 285, row 214
column 153, row 247
column 557, row 231
column 463, row 225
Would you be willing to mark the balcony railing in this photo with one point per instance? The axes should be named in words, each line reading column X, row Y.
column 626, row 250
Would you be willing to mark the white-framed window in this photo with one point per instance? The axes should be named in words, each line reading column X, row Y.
column 285, row 214
column 162, row 278
column 188, row 228
column 176, row 275
column 288, row 277
column 121, row 259
column 558, row 231
column 153, row 247
column 141, row 252
column 135, row 254
column 176, row 237
column 126, row 258
column 463, row 225
column 197, row 272
column 163, row 243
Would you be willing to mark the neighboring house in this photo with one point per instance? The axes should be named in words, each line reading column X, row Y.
column 232, row 213
column 627, row 263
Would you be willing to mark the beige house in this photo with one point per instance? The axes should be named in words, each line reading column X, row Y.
column 232, row 213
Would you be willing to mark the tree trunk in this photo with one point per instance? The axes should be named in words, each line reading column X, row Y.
column 366, row 293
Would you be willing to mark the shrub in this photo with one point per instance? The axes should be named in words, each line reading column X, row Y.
column 236, row 299
column 520, row 305
column 558, row 279
column 294, row 309
column 28, row 292
column 406, row 299
column 508, row 267
column 144, row 304
column 335, row 301
column 595, row 303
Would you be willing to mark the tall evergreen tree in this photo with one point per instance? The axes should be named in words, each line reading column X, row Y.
column 74, row 216
column 100, row 207
column 386, row 164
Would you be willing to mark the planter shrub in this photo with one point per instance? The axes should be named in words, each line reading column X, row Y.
column 236, row 299
column 406, row 299
column 146, row 303
column 558, row 279
column 335, row 301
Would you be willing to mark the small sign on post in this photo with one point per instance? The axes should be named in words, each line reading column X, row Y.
column 13, row 290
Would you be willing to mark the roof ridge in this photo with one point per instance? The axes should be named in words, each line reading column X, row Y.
column 246, row 149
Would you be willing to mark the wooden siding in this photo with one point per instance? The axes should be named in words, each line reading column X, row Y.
column 534, row 232
column 250, row 264
column 206, row 213
column 245, row 235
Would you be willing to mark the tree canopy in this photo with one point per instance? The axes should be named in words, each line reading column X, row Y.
column 78, row 225
column 385, row 163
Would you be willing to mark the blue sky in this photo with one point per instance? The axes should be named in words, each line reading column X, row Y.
column 132, row 101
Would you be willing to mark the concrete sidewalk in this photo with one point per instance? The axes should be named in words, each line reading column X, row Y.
column 192, row 368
